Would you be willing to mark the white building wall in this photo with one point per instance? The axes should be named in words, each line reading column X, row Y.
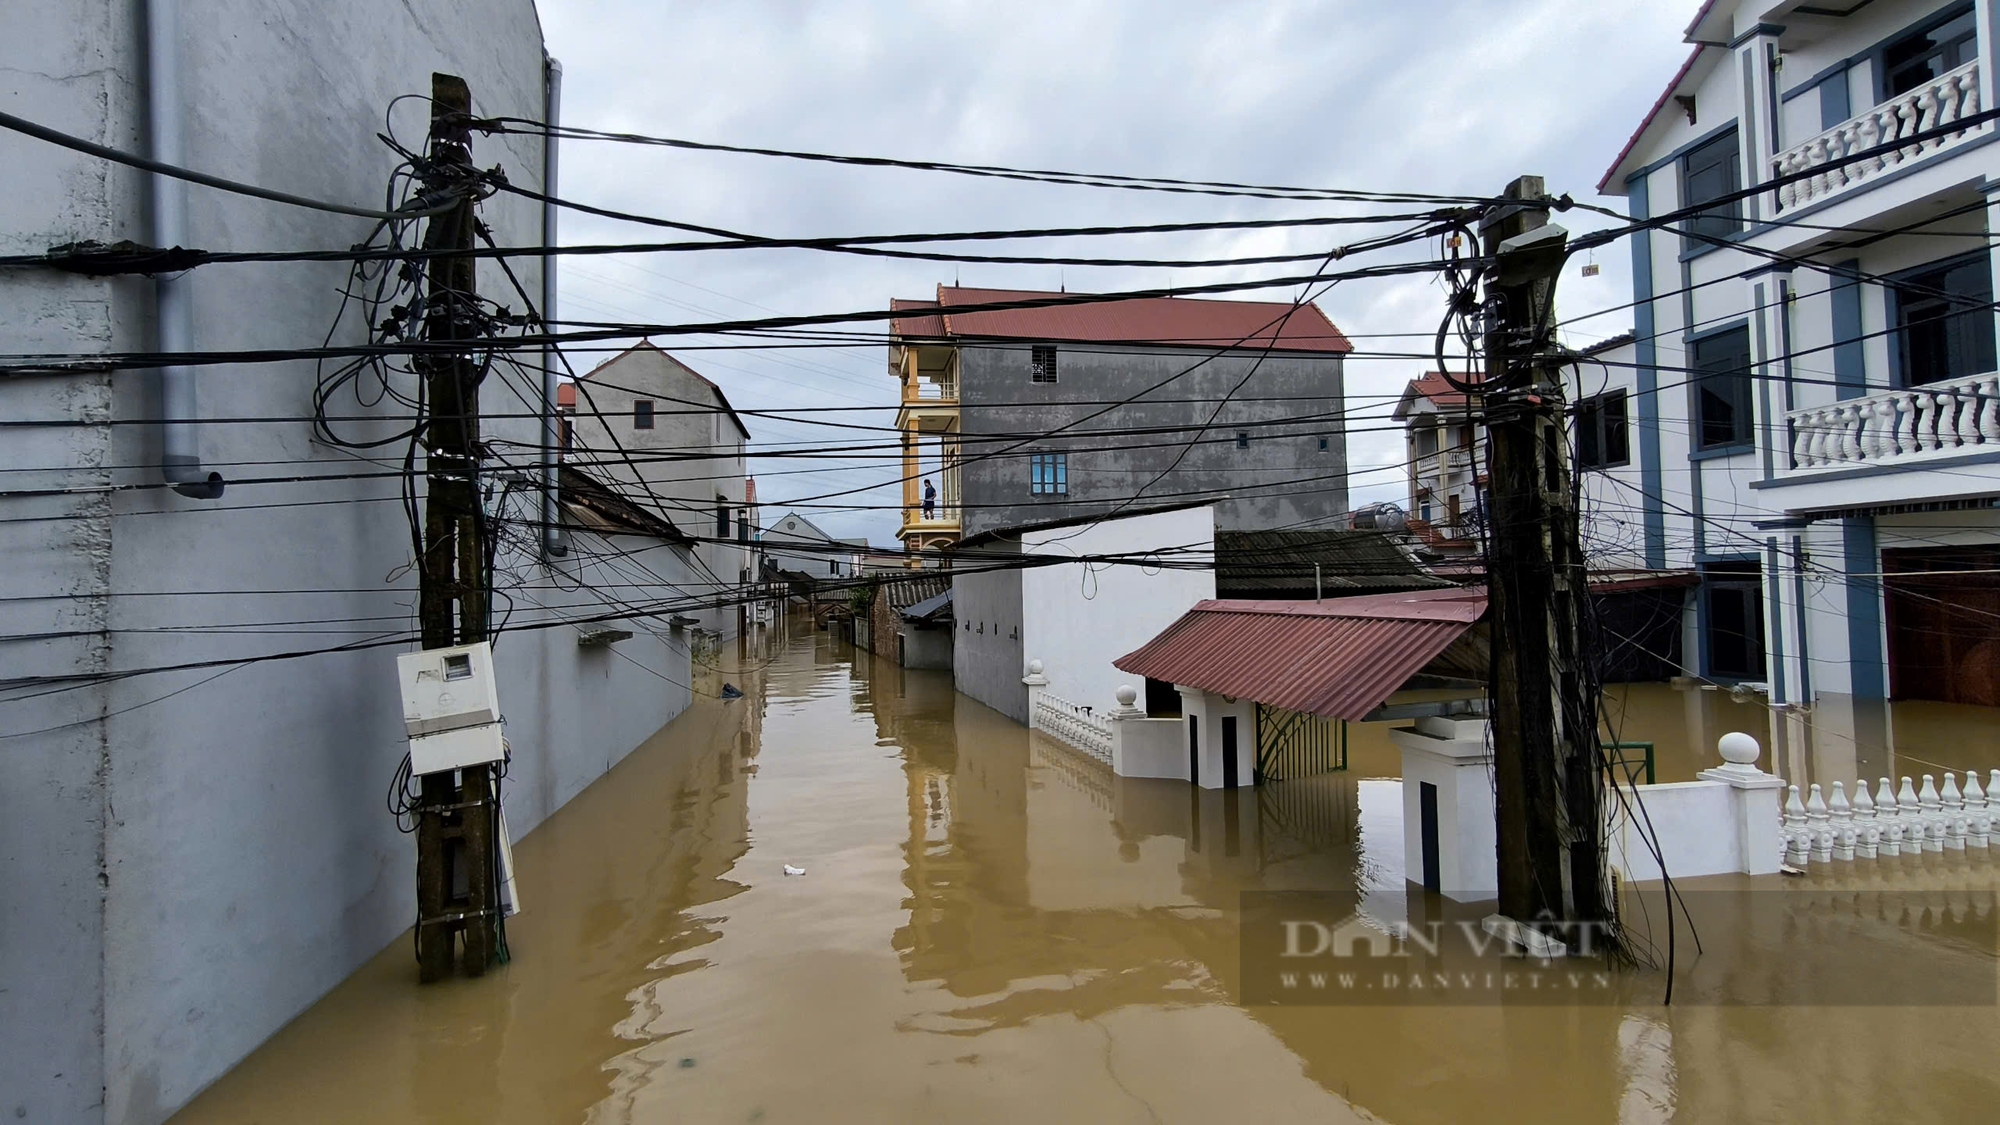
column 1079, row 617
column 190, row 858
column 686, row 464
column 1739, row 505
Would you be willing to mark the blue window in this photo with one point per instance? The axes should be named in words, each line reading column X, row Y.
column 1733, row 619
column 1048, row 474
column 1711, row 172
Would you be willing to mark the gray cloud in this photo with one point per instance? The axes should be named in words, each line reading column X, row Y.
column 1443, row 97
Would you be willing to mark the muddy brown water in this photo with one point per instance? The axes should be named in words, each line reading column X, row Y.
column 992, row 929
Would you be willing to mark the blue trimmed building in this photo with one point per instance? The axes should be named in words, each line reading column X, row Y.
column 1808, row 414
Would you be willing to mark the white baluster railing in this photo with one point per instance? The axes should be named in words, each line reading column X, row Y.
column 1080, row 726
column 1905, row 822
column 1937, row 419
column 1934, row 105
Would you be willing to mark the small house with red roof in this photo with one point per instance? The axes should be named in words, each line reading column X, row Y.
column 1445, row 449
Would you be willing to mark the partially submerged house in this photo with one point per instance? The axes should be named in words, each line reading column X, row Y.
column 664, row 435
column 1016, row 601
column 910, row 620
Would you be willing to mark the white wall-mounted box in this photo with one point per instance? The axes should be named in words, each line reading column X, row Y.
column 448, row 688
column 457, row 749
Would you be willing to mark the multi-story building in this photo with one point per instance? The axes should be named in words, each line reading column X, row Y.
column 1016, row 416
column 1444, row 449
column 1813, row 409
column 658, row 432
column 1445, row 446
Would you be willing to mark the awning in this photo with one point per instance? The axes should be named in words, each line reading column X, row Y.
column 1339, row 658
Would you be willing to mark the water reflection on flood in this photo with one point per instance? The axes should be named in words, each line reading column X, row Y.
column 991, row 928
column 1838, row 738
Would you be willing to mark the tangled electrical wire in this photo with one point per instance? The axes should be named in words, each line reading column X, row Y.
column 396, row 298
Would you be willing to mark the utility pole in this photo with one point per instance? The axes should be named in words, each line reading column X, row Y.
column 1548, row 800
column 454, row 818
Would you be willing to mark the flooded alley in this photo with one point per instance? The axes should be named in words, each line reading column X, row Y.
column 991, row 927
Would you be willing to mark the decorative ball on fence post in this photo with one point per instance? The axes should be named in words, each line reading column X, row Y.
column 1128, row 699
column 1739, row 751
column 1034, row 678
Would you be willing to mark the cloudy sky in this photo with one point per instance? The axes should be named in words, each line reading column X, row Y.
column 1424, row 95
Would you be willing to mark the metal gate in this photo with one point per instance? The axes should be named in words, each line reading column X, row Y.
column 1291, row 744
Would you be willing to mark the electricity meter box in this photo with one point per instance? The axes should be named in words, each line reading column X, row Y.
column 446, row 689
column 450, row 708
column 457, row 749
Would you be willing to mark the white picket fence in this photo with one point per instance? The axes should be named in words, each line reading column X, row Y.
column 1079, row 726
column 1893, row 822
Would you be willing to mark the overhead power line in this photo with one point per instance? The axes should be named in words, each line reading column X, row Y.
column 422, row 208
column 531, row 127
column 46, row 363
column 97, row 258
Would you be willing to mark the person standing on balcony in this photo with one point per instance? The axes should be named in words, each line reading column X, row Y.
column 930, row 499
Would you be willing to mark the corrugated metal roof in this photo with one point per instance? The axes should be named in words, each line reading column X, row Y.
column 1280, row 563
column 1105, row 512
column 1339, row 658
column 929, row 324
column 930, row 607
column 603, row 508
column 1170, row 321
column 903, row 592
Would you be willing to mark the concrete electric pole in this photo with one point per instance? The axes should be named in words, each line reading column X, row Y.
column 456, row 891
column 1548, row 797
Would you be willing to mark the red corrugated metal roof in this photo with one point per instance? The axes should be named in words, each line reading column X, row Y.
column 928, row 324
column 1339, row 658
column 1144, row 320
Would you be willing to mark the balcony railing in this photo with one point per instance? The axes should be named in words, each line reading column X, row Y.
column 1934, row 105
column 1899, row 426
column 943, row 518
column 927, row 391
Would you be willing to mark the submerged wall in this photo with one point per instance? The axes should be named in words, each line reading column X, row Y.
column 189, row 857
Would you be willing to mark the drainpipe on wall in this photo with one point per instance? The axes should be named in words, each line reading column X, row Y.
column 180, row 427
column 554, row 543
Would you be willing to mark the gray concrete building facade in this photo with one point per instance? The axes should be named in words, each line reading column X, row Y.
column 1021, row 407
column 1275, row 456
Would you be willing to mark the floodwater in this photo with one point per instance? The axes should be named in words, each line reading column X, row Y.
column 991, row 928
